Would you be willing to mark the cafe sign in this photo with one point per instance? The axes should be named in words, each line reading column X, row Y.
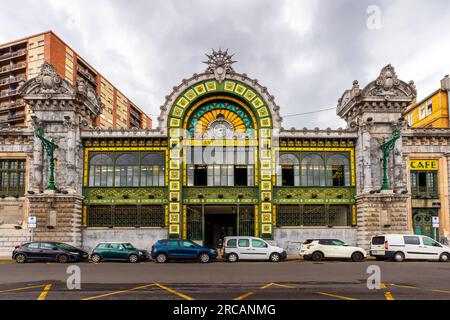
column 424, row 165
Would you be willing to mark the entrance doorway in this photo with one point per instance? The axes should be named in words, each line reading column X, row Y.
column 211, row 223
column 423, row 222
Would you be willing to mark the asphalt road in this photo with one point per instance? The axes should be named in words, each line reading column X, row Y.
column 290, row 280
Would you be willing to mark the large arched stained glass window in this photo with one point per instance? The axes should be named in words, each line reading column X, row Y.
column 101, row 171
column 313, row 171
column 127, row 171
column 152, row 170
column 338, row 171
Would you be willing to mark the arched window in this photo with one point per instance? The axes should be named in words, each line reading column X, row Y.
column 127, row 171
column 288, row 170
column 152, row 170
column 313, row 171
column 101, row 171
column 338, row 171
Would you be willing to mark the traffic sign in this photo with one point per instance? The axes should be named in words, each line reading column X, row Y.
column 32, row 222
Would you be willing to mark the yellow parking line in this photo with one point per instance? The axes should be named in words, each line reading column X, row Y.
column 440, row 291
column 335, row 296
column 22, row 289
column 182, row 295
column 44, row 292
column 388, row 296
column 267, row 286
column 423, row 289
column 244, row 296
column 118, row 292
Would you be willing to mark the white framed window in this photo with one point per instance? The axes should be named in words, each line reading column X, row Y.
column 40, row 56
column 422, row 113
column 429, row 107
column 68, row 68
column 41, row 43
column 410, row 119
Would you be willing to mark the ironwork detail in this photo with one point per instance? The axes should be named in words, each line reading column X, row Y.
column 50, row 147
column 387, row 148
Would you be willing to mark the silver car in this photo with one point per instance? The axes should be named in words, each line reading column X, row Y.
column 251, row 248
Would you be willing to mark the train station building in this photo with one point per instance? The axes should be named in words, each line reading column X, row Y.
column 221, row 163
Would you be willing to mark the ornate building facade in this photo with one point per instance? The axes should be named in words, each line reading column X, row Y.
column 219, row 163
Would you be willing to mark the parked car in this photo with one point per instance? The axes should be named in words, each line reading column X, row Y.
column 320, row 249
column 251, row 248
column 48, row 252
column 408, row 247
column 119, row 252
column 165, row 250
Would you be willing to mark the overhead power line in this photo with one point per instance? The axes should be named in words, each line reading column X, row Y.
column 306, row 113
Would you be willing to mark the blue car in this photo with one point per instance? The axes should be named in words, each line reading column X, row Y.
column 165, row 250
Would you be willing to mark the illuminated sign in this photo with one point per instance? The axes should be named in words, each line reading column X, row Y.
column 424, row 165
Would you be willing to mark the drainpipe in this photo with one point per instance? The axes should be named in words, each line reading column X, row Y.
column 445, row 84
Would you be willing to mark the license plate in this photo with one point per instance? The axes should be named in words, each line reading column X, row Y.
column 378, row 252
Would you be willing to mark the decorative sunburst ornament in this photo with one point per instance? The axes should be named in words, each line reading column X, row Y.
column 220, row 63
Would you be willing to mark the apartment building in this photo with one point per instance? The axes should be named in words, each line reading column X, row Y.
column 21, row 60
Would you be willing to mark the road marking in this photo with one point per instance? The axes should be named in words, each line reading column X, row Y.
column 119, row 292
column 44, row 292
column 244, row 296
column 418, row 288
column 336, row 296
column 388, row 296
column 182, row 295
column 23, row 288
column 7, row 262
column 267, row 286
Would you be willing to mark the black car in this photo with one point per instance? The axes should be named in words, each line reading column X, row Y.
column 48, row 252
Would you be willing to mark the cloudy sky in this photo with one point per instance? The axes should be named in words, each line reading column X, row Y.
column 306, row 52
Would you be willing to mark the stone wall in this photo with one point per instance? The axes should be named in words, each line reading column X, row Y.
column 381, row 213
column 59, row 217
column 290, row 239
column 140, row 238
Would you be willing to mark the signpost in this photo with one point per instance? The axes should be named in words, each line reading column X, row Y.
column 435, row 227
column 32, row 224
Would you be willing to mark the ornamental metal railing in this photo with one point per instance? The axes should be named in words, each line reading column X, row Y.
column 126, row 216
column 313, row 216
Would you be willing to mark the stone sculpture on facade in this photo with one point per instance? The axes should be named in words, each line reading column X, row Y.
column 220, row 63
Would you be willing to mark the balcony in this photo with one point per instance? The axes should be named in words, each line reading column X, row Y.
column 8, row 93
column 14, row 54
column 9, row 106
column 12, row 80
column 13, row 67
column 425, row 193
column 86, row 74
column 314, row 195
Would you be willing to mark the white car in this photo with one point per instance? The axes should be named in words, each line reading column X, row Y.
column 251, row 248
column 320, row 249
column 400, row 247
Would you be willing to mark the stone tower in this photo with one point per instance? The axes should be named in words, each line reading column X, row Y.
column 377, row 112
column 60, row 111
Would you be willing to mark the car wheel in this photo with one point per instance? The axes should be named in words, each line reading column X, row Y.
column 21, row 258
column 307, row 258
column 318, row 256
column 62, row 258
column 232, row 257
column 445, row 257
column 275, row 257
column 204, row 258
column 357, row 257
column 133, row 258
column 161, row 258
column 96, row 258
column 399, row 257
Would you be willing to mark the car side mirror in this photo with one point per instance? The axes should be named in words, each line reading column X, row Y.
column 192, row 246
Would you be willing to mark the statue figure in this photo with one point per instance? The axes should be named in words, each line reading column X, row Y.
column 387, row 148
column 50, row 147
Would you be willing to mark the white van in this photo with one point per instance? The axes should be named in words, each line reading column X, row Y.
column 251, row 248
column 401, row 247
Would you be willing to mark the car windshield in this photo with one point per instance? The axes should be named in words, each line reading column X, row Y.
column 65, row 246
column 128, row 246
column 190, row 243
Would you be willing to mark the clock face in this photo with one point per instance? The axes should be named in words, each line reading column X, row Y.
column 220, row 130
